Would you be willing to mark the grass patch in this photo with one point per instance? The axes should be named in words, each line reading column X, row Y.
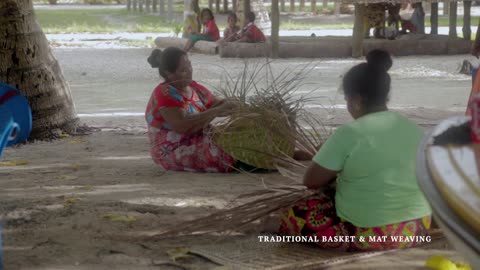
column 120, row 20
column 100, row 21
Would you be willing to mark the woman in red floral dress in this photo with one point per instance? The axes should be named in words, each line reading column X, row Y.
column 178, row 113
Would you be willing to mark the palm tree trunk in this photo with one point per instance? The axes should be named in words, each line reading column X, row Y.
column 27, row 63
column 275, row 28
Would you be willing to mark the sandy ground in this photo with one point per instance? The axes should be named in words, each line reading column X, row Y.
column 60, row 202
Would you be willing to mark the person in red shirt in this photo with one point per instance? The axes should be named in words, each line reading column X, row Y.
column 250, row 32
column 210, row 30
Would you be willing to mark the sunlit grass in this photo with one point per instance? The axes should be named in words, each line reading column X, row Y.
column 120, row 20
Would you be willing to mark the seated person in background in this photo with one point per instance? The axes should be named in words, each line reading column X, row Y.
column 231, row 32
column 416, row 24
column 210, row 30
column 374, row 17
column 373, row 161
column 250, row 32
column 190, row 25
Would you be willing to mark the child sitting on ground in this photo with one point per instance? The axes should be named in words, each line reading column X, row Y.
column 231, row 32
column 250, row 32
column 210, row 30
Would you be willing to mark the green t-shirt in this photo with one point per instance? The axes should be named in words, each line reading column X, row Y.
column 375, row 157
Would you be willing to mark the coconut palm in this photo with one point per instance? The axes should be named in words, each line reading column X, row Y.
column 27, row 63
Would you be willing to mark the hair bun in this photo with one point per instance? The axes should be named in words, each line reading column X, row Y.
column 155, row 58
column 379, row 59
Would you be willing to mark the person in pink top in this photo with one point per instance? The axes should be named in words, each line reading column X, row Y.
column 210, row 30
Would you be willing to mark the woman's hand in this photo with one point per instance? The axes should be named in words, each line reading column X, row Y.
column 226, row 107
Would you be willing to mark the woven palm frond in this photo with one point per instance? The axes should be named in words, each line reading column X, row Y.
column 264, row 128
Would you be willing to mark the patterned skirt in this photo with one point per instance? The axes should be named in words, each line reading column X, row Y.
column 194, row 152
column 316, row 217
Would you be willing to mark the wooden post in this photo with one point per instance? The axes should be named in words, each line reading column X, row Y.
column 337, row 9
column 170, row 10
column 313, row 6
column 282, row 5
column 154, row 6
column 357, row 42
column 217, row 6
column 452, row 20
column 161, row 7
column 467, row 30
column 148, row 5
column 129, row 4
column 292, row 5
column 135, row 5
column 275, row 28
column 225, row 6
column 246, row 7
column 302, row 5
column 210, row 4
column 434, row 19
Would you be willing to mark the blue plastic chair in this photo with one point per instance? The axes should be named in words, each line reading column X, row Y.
column 15, row 117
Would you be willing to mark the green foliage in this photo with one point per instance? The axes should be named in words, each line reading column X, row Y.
column 100, row 21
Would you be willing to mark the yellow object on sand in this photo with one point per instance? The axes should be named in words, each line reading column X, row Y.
column 13, row 163
column 441, row 263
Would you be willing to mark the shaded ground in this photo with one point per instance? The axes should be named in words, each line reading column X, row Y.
column 88, row 202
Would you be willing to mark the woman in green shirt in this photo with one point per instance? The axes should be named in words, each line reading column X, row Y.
column 377, row 203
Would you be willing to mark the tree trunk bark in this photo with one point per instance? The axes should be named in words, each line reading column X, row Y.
column 275, row 28
column 302, row 5
column 357, row 43
column 446, row 7
column 434, row 19
column 452, row 20
column 140, row 5
column 161, row 7
column 282, row 5
column 210, row 4
column 467, row 30
column 325, row 3
column 129, row 4
column 225, row 6
column 27, row 63
column 313, row 6
column 154, row 6
column 135, row 5
column 170, row 10
column 336, row 7
column 292, row 5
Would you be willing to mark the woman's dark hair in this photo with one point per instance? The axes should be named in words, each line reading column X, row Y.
column 209, row 12
column 232, row 15
column 250, row 16
column 370, row 80
column 166, row 61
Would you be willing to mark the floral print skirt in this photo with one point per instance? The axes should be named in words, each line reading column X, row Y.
column 194, row 152
column 316, row 217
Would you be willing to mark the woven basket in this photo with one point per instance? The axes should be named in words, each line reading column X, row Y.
column 256, row 141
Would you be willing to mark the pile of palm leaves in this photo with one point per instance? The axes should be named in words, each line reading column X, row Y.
column 266, row 128
column 264, row 131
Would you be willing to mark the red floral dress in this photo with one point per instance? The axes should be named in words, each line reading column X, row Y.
column 183, row 152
